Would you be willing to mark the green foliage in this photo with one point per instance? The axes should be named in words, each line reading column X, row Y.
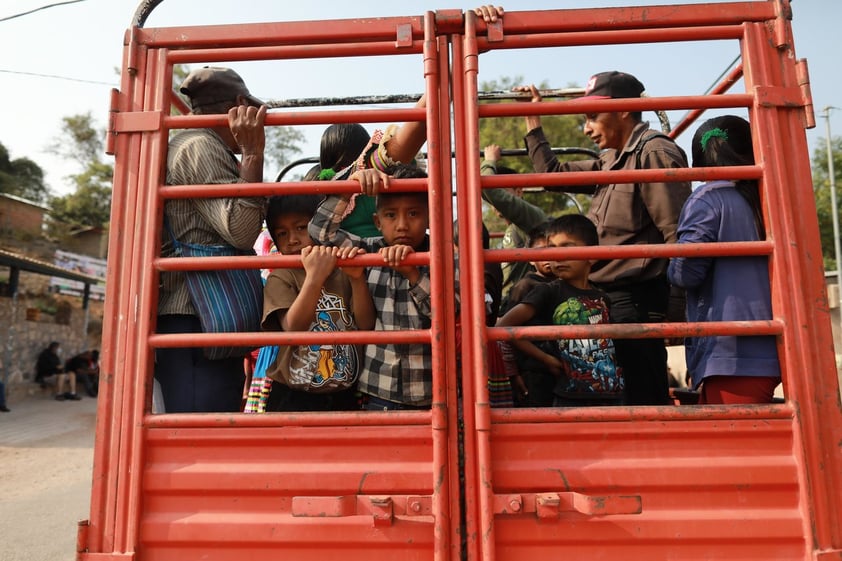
column 508, row 133
column 822, row 193
column 90, row 203
column 22, row 178
column 79, row 140
column 283, row 144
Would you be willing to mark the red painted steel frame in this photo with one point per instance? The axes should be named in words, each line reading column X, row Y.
column 129, row 511
column 807, row 447
column 621, row 482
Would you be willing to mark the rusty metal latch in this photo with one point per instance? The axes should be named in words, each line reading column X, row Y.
column 382, row 508
column 551, row 505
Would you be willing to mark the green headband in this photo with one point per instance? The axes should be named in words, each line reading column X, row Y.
column 717, row 132
column 326, row 174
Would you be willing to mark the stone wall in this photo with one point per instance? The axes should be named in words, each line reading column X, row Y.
column 27, row 330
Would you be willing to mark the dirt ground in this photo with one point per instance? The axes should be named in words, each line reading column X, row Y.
column 46, row 452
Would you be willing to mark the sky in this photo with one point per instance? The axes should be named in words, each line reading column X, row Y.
column 64, row 60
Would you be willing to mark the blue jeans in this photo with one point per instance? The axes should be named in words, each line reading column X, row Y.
column 190, row 383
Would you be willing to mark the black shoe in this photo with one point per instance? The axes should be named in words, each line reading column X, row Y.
column 60, row 397
column 72, row 396
column 5, row 409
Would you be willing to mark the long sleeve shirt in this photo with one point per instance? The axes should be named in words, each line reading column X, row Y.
column 626, row 213
column 199, row 157
column 402, row 373
column 724, row 288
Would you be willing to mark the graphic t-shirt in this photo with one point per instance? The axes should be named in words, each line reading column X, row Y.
column 317, row 368
column 590, row 365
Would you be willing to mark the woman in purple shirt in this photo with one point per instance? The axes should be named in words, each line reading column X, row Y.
column 727, row 369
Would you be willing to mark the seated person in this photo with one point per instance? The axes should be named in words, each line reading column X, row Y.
column 49, row 364
column 85, row 365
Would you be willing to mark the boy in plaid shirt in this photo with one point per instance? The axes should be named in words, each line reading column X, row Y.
column 394, row 376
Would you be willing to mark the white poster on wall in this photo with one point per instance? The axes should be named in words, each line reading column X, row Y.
column 79, row 264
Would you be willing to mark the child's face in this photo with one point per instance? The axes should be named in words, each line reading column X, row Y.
column 572, row 271
column 544, row 268
column 403, row 220
column 289, row 232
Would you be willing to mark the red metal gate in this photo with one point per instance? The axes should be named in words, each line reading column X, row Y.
column 637, row 483
column 701, row 482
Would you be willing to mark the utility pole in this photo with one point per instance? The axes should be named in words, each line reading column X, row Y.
column 834, row 211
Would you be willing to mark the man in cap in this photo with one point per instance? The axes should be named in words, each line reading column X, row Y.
column 190, row 381
column 626, row 214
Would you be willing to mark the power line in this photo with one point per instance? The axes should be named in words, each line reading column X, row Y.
column 39, row 9
column 69, row 79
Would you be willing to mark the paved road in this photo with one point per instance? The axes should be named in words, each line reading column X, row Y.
column 46, row 451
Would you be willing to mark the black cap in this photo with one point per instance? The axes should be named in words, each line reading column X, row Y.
column 613, row 85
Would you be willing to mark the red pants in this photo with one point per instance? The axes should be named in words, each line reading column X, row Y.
column 730, row 390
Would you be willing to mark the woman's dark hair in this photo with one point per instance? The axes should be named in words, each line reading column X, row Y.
column 312, row 173
column 726, row 141
column 341, row 145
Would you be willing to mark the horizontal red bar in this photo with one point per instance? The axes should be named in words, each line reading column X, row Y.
column 580, row 106
column 637, row 330
column 576, row 178
column 610, row 37
column 279, row 33
column 304, row 118
column 717, row 249
column 298, row 52
column 267, row 420
column 262, row 338
column 280, row 188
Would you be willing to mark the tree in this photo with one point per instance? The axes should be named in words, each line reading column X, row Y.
column 22, row 177
column 282, row 143
column 90, row 203
column 508, row 133
column 821, row 190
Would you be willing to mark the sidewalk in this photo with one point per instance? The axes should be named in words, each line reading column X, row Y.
column 46, row 448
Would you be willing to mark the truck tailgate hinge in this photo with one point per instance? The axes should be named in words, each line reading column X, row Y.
column 551, row 505
column 382, row 508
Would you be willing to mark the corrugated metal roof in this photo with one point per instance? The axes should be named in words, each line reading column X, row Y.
column 24, row 263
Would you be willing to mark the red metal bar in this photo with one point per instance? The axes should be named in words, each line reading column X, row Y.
column 259, row 338
column 302, row 118
column 667, row 413
column 475, row 357
column 463, row 57
column 638, row 330
column 234, row 36
column 288, row 188
column 148, row 244
column 304, row 419
column 291, row 52
column 818, row 427
column 580, row 106
column 612, row 37
column 722, row 87
column 488, row 182
column 441, row 281
column 718, row 249
column 656, row 18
